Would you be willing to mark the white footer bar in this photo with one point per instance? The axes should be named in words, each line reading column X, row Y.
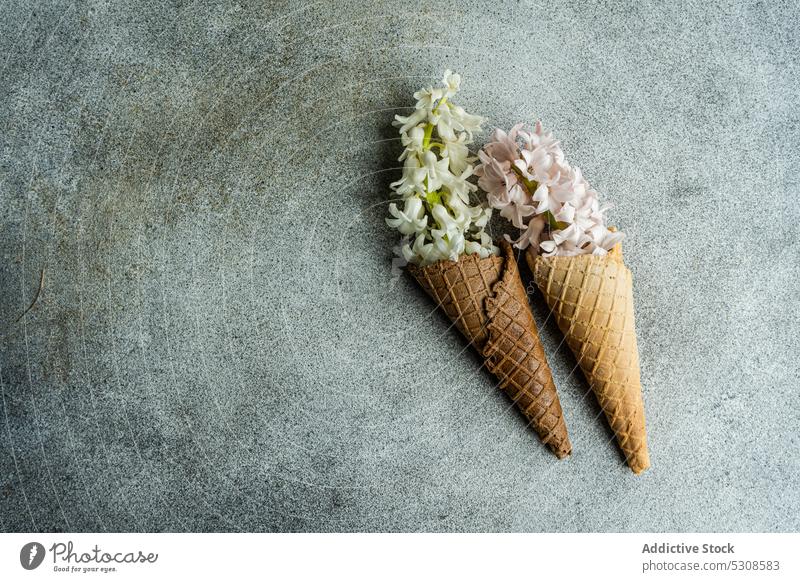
column 381, row 557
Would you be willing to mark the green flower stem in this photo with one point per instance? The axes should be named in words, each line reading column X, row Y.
column 432, row 198
column 553, row 223
column 530, row 185
column 426, row 139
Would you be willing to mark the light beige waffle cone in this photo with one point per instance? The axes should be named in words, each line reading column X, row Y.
column 488, row 304
column 592, row 299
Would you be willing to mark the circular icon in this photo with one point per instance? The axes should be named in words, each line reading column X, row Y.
column 31, row 555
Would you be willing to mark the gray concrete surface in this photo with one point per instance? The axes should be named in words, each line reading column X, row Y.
column 220, row 343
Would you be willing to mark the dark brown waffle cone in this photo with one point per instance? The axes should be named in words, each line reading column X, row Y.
column 486, row 301
column 591, row 298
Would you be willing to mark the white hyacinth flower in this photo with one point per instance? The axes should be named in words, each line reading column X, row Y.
column 449, row 243
column 435, row 187
column 412, row 141
column 420, row 252
column 411, row 219
column 437, row 171
column 458, row 154
column 452, row 82
column 413, row 180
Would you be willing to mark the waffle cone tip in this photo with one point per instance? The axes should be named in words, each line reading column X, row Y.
column 639, row 463
column 561, row 450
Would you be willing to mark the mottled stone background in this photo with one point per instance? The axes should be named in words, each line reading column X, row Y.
column 221, row 344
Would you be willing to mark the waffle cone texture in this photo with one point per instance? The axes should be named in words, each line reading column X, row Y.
column 591, row 298
column 486, row 301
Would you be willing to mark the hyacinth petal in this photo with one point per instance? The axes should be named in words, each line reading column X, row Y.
column 452, row 81
column 548, row 246
column 566, row 214
column 611, row 239
column 542, row 193
column 541, row 197
column 406, row 123
column 533, row 231
column 562, row 193
column 570, row 234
